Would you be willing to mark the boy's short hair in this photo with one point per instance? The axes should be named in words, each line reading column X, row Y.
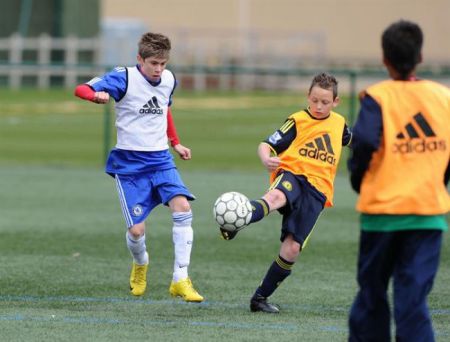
column 154, row 45
column 325, row 81
column 402, row 45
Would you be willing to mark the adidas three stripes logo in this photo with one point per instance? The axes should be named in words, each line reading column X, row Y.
column 320, row 148
column 418, row 137
column 151, row 107
column 322, row 143
column 422, row 124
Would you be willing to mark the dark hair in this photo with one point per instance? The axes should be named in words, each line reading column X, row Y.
column 325, row 81
column 154, row 45
column 402, row 45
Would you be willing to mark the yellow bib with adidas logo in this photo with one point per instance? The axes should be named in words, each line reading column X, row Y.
column 315, row 151
column 406, row 174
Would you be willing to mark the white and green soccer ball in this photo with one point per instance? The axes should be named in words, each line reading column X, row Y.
column 232, row 211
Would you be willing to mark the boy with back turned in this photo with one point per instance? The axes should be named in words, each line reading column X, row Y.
column 400, row 168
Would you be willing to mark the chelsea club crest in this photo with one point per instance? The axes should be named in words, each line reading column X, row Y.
column 137, row 210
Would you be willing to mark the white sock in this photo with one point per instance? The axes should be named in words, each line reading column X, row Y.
column 183, row 236
column 137, row 248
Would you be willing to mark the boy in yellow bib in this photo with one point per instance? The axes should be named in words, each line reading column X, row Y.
column 400, row 168
column 302, row 157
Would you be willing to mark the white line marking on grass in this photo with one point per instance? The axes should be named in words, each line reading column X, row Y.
column 99, row 320
column 77, row 299
column 113, row 321
column 309, row 308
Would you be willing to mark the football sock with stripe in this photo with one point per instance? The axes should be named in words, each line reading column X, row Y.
column 183, row 236
column 137, row 248
column 278, row 271
column 260, row 208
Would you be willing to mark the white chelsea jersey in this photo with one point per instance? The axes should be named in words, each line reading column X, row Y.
column 141, row 115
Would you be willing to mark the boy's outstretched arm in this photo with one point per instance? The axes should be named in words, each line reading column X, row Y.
column 85, row 92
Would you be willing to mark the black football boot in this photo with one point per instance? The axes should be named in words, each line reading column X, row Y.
column 259, row 303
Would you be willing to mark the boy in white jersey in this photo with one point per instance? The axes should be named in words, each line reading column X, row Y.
column 141, row 163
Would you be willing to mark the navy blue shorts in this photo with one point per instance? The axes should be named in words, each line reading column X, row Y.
column 303, row 207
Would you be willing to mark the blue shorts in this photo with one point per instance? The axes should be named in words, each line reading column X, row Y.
column 303, row 207
column 140, row 193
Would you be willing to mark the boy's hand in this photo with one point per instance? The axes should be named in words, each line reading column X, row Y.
column 101, row 97
column 271, row 163
column 183, row 152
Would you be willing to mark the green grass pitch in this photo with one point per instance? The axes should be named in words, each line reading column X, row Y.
column 64, row 264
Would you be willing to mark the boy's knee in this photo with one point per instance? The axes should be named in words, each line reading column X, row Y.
column 275, row 198
column 290, row 249
column 294, row 250
column 179, row 204
column 137, row 230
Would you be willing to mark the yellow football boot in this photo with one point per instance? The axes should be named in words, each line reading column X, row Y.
column 184, row 289
column 138, row 279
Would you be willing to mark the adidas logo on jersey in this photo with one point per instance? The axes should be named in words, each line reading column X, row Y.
column 320, row 148
column 151, row 107
column 413, row 142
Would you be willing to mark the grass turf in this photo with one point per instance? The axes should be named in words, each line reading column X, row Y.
column 65, row 266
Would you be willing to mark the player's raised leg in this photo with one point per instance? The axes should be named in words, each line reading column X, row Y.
column 272, row 200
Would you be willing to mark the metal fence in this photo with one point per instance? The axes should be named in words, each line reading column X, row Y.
column 44, row 62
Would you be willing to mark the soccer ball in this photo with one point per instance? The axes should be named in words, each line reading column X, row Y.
column 232, row 211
